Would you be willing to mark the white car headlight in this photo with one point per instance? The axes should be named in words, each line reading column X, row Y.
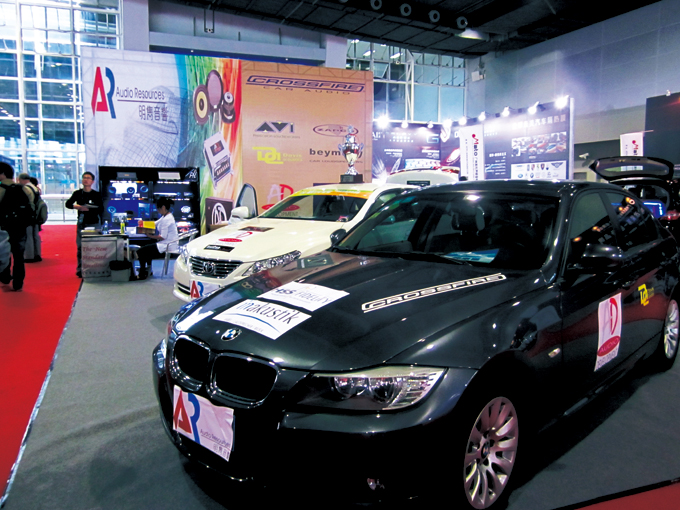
column 376, row 389
column 183, row 254
column 270, row 263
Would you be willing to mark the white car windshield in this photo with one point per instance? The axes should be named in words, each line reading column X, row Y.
column 322, row 207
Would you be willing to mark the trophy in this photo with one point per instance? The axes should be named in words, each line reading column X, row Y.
column 351, row 150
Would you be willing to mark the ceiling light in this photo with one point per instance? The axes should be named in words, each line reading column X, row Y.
column 430, row 125
column 396, row 55
column 462, row 121
column 468, row 33
column 482, row 116
column 506, row 111
column 404, row 124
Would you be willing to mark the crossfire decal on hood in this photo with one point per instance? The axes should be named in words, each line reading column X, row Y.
column 430, row 291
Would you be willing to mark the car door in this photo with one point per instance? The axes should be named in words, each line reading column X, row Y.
column 591, row 300
column 646, row 262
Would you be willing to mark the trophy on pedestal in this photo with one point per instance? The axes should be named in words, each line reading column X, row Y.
column 351, row 150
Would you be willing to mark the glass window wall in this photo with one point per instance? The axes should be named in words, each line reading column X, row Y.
column 41, row 121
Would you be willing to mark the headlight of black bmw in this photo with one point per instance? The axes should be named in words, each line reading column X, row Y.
column 377, row 389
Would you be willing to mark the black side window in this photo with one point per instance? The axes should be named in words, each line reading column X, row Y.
column 589, row 223
column 636, row 222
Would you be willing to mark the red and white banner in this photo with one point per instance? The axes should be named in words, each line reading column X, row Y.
column 632, row 144
column 472, row 152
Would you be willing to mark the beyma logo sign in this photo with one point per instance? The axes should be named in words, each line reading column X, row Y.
column 102, row 101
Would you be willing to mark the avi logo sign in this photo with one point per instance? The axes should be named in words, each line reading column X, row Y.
column 276, row 127
column 102, row 101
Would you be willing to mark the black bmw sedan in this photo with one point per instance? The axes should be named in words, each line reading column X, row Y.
column 447, row 329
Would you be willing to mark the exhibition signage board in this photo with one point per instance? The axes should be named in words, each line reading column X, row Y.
column 632, row 144
column 274, row 126
column 521, row 145
column 397, row 148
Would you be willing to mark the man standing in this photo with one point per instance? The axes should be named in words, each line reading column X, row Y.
column 90, row 206
column 16, row 211
column 33, row 251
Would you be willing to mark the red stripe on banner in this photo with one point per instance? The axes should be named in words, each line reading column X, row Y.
column 33, row 320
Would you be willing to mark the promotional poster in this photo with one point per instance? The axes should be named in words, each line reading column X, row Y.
column 273, row 126
column 396, row 148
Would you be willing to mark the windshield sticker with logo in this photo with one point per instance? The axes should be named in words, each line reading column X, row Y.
column 334, row 192
column 267, row 319
column 609, row 336
column 430, row 291
column 305, row 295
column 485, row 256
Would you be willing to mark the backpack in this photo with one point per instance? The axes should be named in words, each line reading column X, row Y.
column 15, row 207
column 41, row 210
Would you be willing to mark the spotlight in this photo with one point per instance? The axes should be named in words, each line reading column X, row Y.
column 561, row 102
column 482, row 116
column 668, row 92
column 430, row 125
column 383, row 121
column 461, row 22
column 434, row 16
column 506, row 111
column 405, row 10
column 376, row 4
column 533, row 108
column 463, row 120
column 404, row 124
column 447, row 123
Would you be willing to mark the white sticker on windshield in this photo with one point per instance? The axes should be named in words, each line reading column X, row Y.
column 304, row 295
column 267, row 319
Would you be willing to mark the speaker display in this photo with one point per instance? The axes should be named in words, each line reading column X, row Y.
column 201, row 106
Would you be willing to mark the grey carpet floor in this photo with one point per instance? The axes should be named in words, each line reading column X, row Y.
column 97, row 441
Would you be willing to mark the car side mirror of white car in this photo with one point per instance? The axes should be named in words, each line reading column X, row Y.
column 338, row 236
column 239, row 214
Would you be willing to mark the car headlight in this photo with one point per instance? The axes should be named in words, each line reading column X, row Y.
column 183, row 254
column 280, row 260
column 377, row 389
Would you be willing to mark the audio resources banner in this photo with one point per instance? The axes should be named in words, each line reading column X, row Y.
column 274, row 126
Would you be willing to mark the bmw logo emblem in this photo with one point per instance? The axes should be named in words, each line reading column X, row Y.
column 230, row 334
column 208, row 267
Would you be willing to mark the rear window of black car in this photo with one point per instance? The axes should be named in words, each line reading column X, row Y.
column 500, row 230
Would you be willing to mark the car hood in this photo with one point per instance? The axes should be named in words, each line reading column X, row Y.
column 261, row 238
column 390, row 305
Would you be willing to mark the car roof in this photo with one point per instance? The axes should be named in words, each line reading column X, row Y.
column 366, row 187
column 533, row 187
column 616, row 168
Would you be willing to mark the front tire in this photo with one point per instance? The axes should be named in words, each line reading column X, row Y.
column 491, row 453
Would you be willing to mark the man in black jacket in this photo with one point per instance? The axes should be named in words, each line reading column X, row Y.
column 90, row 206
column 17, row 232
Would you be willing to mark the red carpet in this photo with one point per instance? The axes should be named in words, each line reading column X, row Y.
column 33, row 321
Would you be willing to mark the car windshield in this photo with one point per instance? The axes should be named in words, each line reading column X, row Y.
column 322, row 207
column 500, row 230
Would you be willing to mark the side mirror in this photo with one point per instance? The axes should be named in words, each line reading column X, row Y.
column 338, row 236
column 601, row 256
column 239, row 214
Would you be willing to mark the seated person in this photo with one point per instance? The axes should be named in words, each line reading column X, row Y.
column 166, row 234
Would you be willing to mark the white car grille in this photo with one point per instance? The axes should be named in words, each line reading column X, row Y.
column 212, row 268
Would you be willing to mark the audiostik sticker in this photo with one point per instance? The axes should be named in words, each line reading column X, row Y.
column 430, row 291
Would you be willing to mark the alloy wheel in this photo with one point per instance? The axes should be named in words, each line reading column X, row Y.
column 671, row 327
column 491, row 452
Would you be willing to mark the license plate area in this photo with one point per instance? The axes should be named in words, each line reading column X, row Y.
column 206, row 424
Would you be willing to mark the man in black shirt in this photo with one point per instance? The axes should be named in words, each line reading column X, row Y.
column 90, row 206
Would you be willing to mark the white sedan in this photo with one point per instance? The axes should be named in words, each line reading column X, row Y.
column 298, row 226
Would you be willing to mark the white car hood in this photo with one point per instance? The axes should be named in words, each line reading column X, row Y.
column 255, row 239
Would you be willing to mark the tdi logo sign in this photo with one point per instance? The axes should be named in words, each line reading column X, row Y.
column 276, row 127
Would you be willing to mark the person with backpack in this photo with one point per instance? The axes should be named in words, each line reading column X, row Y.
column 33, row 251
column 90, row 206
column 16, row 213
